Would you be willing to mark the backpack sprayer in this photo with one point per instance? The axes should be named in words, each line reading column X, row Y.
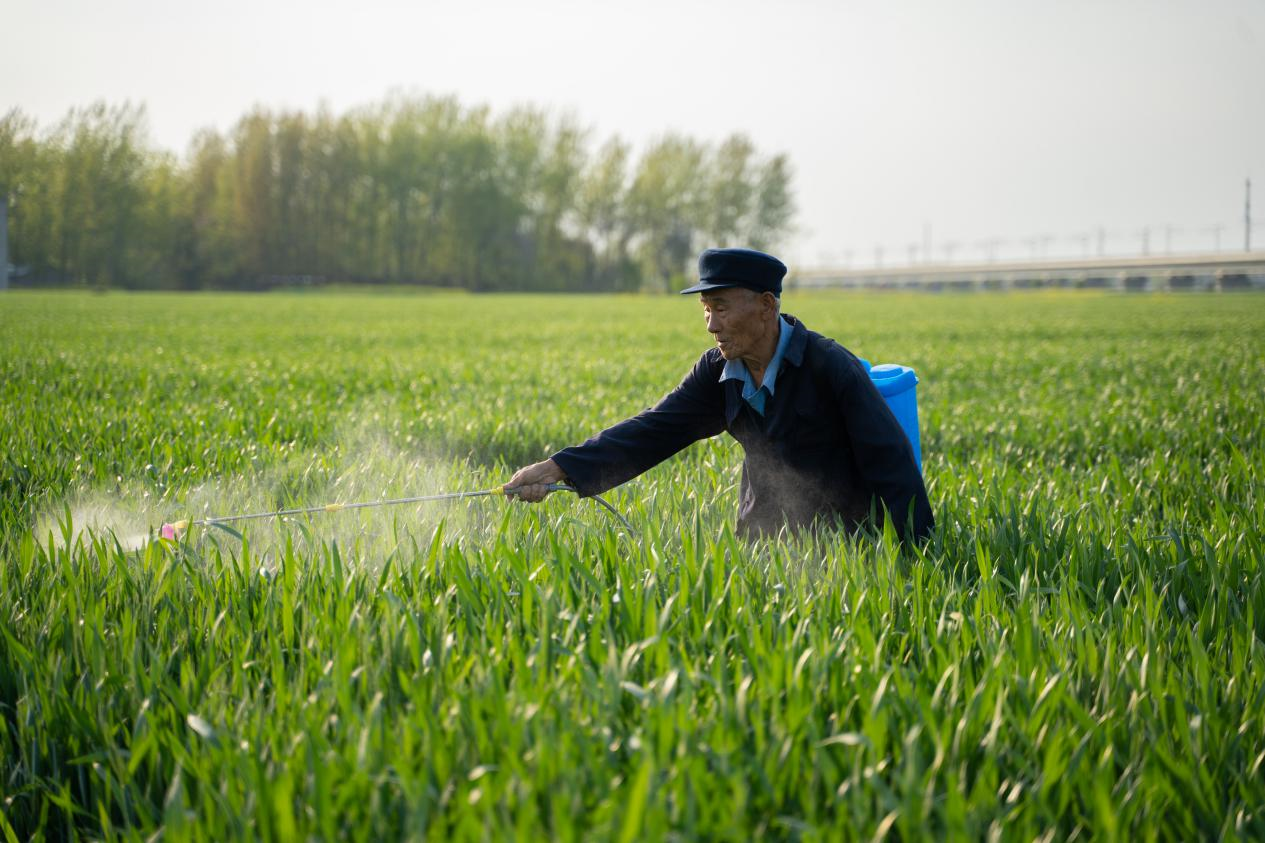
column 173, row 530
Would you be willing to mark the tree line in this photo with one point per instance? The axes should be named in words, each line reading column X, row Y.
column 410, row 190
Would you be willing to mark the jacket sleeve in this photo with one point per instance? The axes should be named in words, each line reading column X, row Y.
column 694, row 410
column 883, row 454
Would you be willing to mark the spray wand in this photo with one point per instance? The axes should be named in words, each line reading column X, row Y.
column 173, row 530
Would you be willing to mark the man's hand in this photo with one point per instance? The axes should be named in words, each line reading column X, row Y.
column 530, row 483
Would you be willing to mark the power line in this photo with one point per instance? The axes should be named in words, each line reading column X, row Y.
column 1096, row 241
column 1215, row 231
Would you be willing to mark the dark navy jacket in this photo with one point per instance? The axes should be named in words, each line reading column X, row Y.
column 827, row 445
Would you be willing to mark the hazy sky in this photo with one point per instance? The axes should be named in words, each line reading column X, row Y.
column 973, row 120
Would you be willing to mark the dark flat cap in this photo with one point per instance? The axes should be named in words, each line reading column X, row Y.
column 720, row 268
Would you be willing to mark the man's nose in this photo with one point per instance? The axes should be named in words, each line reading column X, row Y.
column 713, row 324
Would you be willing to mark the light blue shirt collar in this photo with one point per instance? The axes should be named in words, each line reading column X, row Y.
column 737, row 370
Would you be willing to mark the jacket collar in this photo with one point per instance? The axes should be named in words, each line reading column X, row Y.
column 794, row 356
column 799, row 341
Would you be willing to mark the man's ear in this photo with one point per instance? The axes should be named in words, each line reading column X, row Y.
column 769, row 301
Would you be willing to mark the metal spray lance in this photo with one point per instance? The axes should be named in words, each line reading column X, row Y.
column 173, row 530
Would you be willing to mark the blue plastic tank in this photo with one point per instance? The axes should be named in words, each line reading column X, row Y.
column 898, row 386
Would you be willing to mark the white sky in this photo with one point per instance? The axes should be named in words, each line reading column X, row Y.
column 1008, row 119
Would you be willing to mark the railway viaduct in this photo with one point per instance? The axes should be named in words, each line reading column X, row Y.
column 1212, row 273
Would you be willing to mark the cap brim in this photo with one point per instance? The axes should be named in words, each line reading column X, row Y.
column 704, row 286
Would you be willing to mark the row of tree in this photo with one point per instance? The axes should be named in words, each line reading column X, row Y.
column 410, row 190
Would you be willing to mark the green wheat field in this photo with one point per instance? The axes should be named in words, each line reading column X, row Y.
column 1077, row 654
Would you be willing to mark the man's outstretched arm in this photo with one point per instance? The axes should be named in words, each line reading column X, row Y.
column 692, row 411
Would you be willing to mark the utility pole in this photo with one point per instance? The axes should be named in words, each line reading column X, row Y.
column 990, row 248
column 1168, row 238
column 1038, row 244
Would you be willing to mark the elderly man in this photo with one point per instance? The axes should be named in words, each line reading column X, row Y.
column 821, row 444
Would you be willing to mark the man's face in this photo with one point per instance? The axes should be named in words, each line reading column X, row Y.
column 739, row 319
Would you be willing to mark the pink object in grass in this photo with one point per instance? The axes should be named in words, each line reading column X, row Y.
column 169, row 531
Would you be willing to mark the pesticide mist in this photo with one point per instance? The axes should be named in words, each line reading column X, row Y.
column 362, row 465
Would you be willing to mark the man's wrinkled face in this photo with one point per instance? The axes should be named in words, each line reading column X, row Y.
column 738, row 318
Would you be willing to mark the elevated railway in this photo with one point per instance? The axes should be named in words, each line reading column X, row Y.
column 1211, row 273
